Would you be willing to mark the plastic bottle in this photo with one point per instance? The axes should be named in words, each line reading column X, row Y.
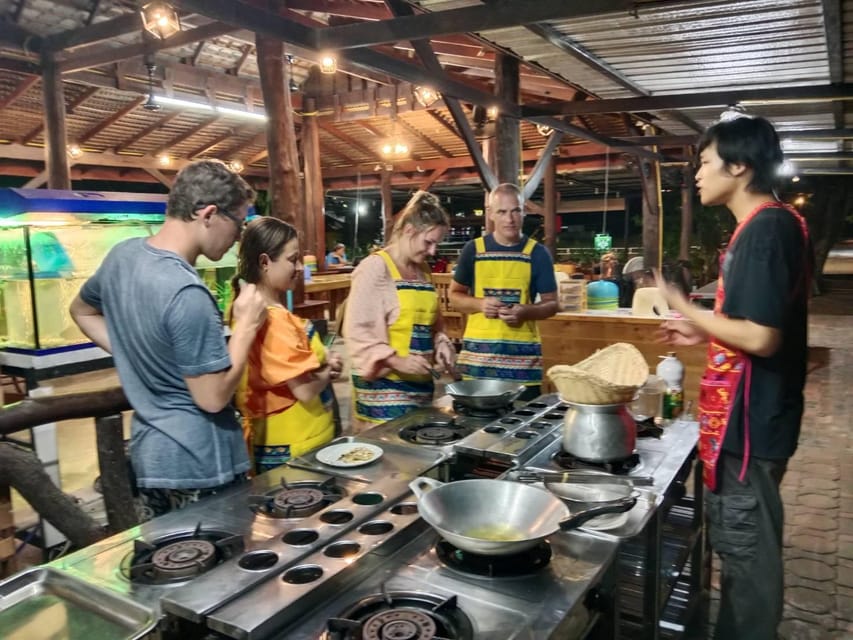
column 671, row 371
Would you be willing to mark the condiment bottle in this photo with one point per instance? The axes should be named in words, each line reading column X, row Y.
column 671, row 371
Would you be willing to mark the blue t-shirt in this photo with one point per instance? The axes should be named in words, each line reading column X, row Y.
column 542, row 278
column 163, row 324
column 333, row 258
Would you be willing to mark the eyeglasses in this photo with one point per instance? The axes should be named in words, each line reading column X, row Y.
column 240, row 224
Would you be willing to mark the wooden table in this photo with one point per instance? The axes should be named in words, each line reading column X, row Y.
column 333, row 287
column 568, row 338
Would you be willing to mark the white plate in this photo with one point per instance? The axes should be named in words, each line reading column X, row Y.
column 336, row 454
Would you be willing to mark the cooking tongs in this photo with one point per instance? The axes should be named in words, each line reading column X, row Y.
column 579, row 477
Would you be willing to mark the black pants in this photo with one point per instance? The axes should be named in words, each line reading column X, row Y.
column 745, row 528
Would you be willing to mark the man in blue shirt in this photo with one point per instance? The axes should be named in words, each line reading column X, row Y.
column 496, row 282
column 148, row 307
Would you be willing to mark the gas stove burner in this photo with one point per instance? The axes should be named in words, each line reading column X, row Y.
column 438, row 433
column 179, row 556
column 517, row 564
column 481, row 413
column 297, row 499
column 402, row 615
column 622, row 467
column 648, row 428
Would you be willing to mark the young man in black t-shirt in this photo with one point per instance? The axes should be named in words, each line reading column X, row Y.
column 751, row 397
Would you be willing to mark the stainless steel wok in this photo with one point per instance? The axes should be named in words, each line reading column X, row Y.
column 499, row 517
column 484, row 394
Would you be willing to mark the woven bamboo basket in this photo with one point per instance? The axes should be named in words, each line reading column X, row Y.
column 609, row 376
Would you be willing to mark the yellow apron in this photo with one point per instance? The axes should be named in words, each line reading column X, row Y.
column 299, row 428
column 490, row 347
column 395, row 395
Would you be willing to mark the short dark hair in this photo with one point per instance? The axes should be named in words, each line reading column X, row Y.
column 204, row 183
column 751, row 141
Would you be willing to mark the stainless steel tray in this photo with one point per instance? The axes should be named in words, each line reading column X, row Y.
column 44, row 603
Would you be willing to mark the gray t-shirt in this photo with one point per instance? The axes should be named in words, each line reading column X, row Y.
column 163, row 325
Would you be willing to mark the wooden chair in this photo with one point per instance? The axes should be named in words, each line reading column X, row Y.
column 454, row 321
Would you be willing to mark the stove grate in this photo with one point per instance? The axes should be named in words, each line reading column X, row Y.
column 296, row 499
column 401, row 615
column 625, row 466
column 517, row 564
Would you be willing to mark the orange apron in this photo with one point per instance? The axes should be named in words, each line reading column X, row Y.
column 723, row 372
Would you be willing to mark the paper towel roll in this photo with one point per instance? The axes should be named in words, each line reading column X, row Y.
column 648, row 301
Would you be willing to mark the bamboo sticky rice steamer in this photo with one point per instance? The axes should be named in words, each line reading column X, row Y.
column 609, row 376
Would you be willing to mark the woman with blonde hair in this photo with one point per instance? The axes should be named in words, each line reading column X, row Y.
column 393, row 328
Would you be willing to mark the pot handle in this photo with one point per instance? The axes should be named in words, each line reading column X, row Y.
column 421, row 485
column 616, row 506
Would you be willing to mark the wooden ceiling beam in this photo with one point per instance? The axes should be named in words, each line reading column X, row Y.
column 162, row 122
column 778, row 95
column 207, row 146
column 186, row 135
column 108, row 122
column 97, row 56
column 244, row 55
column 348, row 9
column 412, row 131
column 69, row 109
column 237, row 149
column 98, row 32
column 345, row 137
column 20, row 89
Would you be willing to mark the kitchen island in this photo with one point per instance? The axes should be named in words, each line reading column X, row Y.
column 568, row 338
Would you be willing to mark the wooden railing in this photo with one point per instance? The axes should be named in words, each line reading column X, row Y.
column 21, row 469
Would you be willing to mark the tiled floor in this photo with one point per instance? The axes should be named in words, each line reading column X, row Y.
column 818, row 488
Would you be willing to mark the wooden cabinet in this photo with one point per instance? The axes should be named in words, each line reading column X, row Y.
column 568, row 338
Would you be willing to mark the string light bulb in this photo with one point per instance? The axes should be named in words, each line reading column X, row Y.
column 74, row 150
column 236, row 165
column 328, row 64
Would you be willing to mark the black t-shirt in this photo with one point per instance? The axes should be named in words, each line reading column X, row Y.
column 764, row 273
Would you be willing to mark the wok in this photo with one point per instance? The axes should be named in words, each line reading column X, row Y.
column 498, row 517
column 484, row 394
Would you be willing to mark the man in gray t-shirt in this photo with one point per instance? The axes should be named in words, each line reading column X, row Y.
column 147, row 306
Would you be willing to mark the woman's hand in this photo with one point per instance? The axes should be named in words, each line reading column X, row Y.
column 445, row 355
column 674, row 296
column 680, row 333
column 335, row 363
column 411, row 365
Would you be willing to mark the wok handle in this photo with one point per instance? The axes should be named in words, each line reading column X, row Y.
column 616, row 506
column 421, row 485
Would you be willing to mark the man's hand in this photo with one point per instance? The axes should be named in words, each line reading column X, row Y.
column 513, row 315
column 491, row 307
column 680, row 333
column 249, row 308
column 445, row 356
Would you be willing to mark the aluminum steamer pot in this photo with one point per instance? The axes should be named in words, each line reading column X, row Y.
column 599, row 432
column 484, row 394
column 498, row 517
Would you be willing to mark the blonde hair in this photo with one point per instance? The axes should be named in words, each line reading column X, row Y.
column 423, row 211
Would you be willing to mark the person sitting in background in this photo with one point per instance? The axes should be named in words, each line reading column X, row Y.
column 284, row 396
column 337, row 257
column 393, row 328
column 147, row 305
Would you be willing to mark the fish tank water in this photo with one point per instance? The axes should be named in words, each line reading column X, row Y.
column 51, row 241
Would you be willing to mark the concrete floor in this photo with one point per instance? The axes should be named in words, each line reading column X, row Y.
column 818, row 488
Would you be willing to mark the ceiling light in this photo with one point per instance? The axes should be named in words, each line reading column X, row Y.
column 160, row 19
column 328, row 64
column 544, row 130
column 394, row 149
column 74, row 151
column 236, row 165
column 294, row 86
column 203, row 106
column 795, row 179
column 164, row 159
column 492, row 113
column 426, row 96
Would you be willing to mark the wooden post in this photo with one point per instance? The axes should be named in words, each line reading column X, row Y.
column 550, row 208
column 687, row 190
column 314, row 201
column 650, row 182
column 115, row 478
column 283, row 161
column 489, row 154
column 56, row 158
column 387, row 206
column 507, row 130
